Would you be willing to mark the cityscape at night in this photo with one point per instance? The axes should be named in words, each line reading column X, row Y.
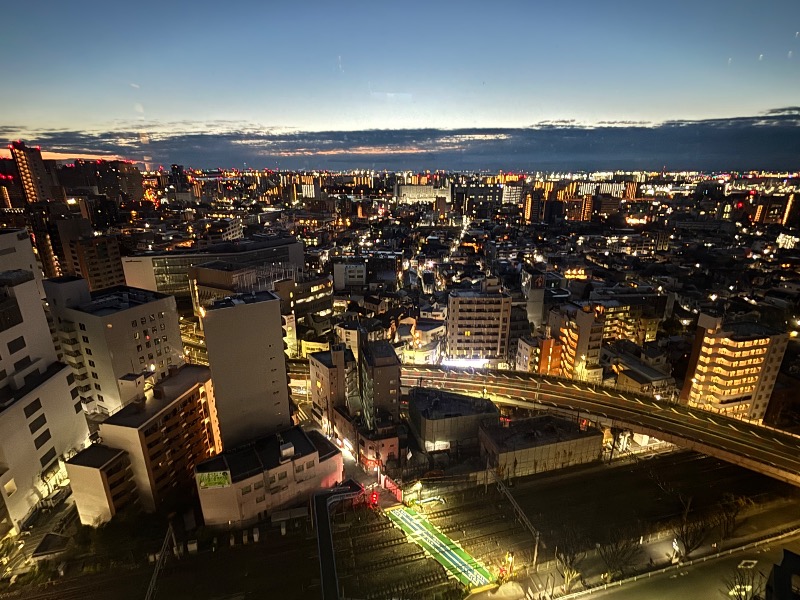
column 413, row 302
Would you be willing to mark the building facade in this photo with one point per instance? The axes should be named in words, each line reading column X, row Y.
column 41, row 418
column 478, row 326
column 114, row 339
column 244, row 338
column 733, row 367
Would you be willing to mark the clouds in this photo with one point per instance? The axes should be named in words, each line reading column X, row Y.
column 766, row 141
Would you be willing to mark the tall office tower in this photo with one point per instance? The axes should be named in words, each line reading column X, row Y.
column 116, row 340
column 36, row 182
column 40, row 414
column 733, row 367
column 16, row 250
column 333, row 377
column 478, row 326
column 580, row 333
column 244, row 338
column 97, row 259
column 380, row 383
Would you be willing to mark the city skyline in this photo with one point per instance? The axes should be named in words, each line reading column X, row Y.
column 258, row 85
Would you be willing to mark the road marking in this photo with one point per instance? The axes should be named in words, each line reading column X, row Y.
column 694, row 416
column 672, row 408
column 732, row 427
column 637, row 400
column 712, row 420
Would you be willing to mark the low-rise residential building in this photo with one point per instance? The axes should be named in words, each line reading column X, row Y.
column 242, row 486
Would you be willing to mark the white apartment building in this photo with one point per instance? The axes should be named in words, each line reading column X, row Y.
column 334, row 382
column 41, row 418
column 244, row 338
column 16, row 252
column 113, row 339
column 242, row 486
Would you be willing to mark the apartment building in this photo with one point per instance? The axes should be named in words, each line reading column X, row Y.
column 334, row 382
column 114, row 339
column 580, row 334
column 41, row 418
column 164, row 435
column 379, row 382
column 539, row 355
column 478, row 326
column 733, row 367
column 97, row 259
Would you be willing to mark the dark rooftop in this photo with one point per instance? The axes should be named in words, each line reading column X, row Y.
column 259, row 456
column 538, row 431
column 95, row 456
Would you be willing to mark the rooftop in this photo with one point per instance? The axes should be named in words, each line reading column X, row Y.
column 538, row 431
column 748, row 330
column 117, row 299
column 95, row 456
column 436, row 404
column 260, row 456
column 249, row 298
column 15, row 277
column 167, row 391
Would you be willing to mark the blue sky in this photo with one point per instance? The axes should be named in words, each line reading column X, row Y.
column 151, row 70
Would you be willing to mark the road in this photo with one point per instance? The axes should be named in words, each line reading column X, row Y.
column 767, row 451
column 701, row 581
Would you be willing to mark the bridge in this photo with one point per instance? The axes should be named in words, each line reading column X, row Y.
column 767, row 451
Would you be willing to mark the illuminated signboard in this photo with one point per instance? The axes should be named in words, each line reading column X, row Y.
column 214, row 479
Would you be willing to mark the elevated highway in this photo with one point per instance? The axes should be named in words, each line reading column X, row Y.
column 760, row 449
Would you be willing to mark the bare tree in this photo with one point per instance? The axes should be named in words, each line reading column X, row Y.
column 690, row 533
column 569, row 557
column 744, row 584
column 728, row 510
column 619, row 553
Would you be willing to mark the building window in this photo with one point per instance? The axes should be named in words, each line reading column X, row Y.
column 42, row 439
column 309, row 464
column 82, row 327
column 281, row 475
column 89, row 351
column 246, row 490
column 299, row 468
column 16, row 345
column 94, row 375
column 133, row 324
column 48, row 457
column 32, row 408
column 258, row 485
column 9, row 488
column 260, row 498
column 136, row 335
column 272, row 479
column 91, row 363
column 85, row 339
column 143, row 320
column 78, row 407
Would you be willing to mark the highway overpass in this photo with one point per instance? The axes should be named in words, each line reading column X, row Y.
column 760, row 449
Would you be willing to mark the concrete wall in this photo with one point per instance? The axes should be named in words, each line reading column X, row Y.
column 91, row 494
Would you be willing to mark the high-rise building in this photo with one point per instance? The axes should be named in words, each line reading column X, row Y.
column 244, row 338
column 539, row 355
column 116, row 340
column 41, row 419
column 97, row 259
column 36, row 182
column 733, row 367
column 16, row 249
column 478, row 325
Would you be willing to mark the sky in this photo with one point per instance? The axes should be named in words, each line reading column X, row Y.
column 165, row 79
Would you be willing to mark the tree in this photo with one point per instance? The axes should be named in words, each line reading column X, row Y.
column 619, row 553
column 743, row 584
column 728, row 510
column 690, row 533
column 569, row 557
